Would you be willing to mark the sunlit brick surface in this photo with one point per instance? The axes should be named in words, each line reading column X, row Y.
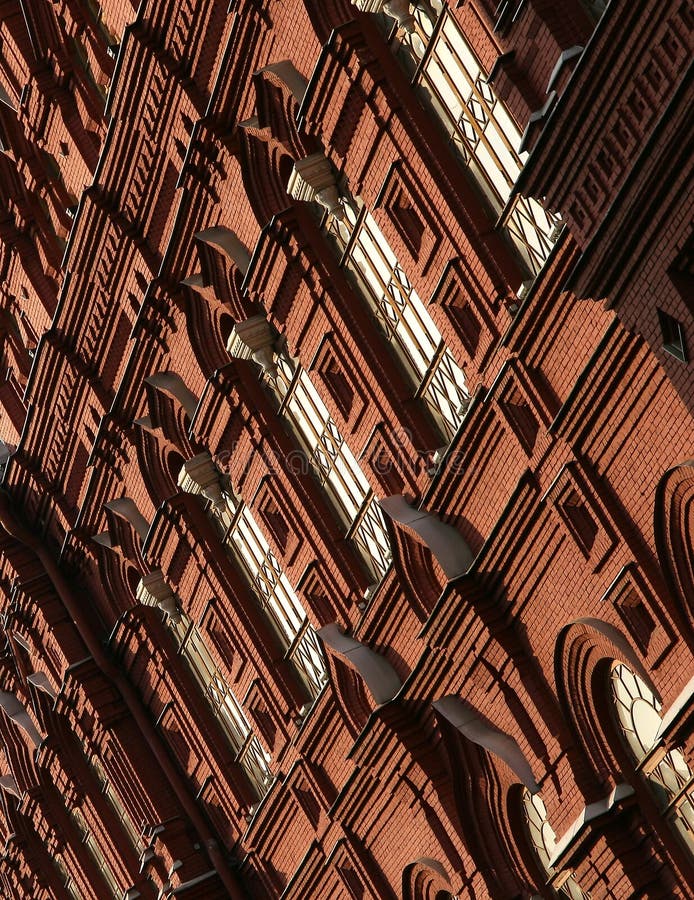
column 347, row 510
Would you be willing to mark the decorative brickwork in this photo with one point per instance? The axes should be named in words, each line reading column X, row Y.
column 347, row 508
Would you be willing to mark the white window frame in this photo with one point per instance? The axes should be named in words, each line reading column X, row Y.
column 544, row 841
column 271, row 587
column 332, row 461
column 401, row 314
column 454, row 85
column 666, row 770
column 87, row 837
column 223, row 702
column 275, row 594
column 114, row 800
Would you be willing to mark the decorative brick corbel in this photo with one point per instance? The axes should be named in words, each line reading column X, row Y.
column 446, row 543
column 469, row 724
column 9, row 785
column 172, row 384
column 154, row 591
column 227, row 243
column 199, row 475
column 196, row 283
column 313, row 178
column 396, row 9
column 15, row 711
column 254, row 339
column 375, row 671
column 126, row 509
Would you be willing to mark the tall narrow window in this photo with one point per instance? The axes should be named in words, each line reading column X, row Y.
column 451, row 81
column 68, row 882
column 401, row 314
column 223, row 702
column 275, row 593
column 544, row 842
column 667, row 772
column 673, row 336
column 333, row 462
column 269, row 584
column 124, row 817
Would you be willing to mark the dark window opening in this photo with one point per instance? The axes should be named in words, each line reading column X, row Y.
column 580, row 521
column 522, row 419
column 408, row 223
column 340, row 388
column 673, row 336
column 638, row 620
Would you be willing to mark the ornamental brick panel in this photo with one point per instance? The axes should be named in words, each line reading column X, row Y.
column 372, row 652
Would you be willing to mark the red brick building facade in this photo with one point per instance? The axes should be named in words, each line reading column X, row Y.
column 347, row 508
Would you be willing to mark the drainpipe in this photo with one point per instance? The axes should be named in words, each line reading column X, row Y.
column 22, row 534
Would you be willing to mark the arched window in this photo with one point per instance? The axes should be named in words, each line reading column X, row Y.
column 666, row 770
column 544, row 842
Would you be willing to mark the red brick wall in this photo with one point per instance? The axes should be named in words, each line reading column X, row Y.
column 567, row 479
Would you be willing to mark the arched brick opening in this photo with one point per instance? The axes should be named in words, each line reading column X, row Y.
column 674, row 533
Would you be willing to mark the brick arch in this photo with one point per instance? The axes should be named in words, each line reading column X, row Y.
column 280, row 90
column 171, row 408
column 206, row 332
column 584, row 652
column 156, row 459
column 674, row 533
column 425, row 879
column 265, row 166
column 224, row 261
column 351, row 696
column 114, row 570
column 513, row 831
column 38, row 668
column 19, row 736
column 272, row 142
column 419, row 574
column 481, row 785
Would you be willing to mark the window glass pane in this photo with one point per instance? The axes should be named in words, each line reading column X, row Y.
column 272, row 589
column 668, row 774
column 277, row 597
column 455, row 87
column 332, row 461
column 223, row 703
column 402, row 316
column 638, row 710
column 544, row 842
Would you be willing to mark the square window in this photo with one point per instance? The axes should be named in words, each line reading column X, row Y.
column 673, row 336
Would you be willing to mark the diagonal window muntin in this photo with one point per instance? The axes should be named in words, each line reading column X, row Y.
column 452, row 82
column 275, row 593
column 223, row 702
column 332, row 462
column 400, row 313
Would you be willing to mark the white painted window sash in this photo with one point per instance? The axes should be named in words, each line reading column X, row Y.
column 484, row 135
column 224, row 704
column 271, row 588
column 333, row 462
column 401, row 314
column 276, row 595
column 94, row 850
column 114, row 800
